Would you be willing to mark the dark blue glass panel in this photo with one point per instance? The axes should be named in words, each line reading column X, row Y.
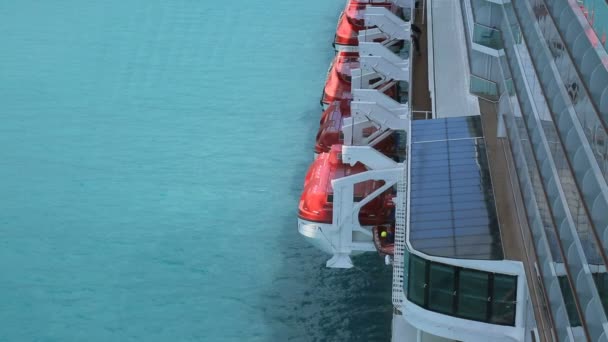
column 442, row 206
column 428, row 186
column 452, row 211
column 430, row 216
column 427, row 225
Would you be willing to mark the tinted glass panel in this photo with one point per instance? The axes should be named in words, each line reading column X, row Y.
column 417, row 280
column 601, row 281
column 460, row 292
column 473, row 295
column 503, row 299
column 441, row 288
column 569, row 301
column 451, row 190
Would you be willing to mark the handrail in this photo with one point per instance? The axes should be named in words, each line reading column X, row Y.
column 427, row 114
column 399, row 272
column 483, row 78
column 488, row 27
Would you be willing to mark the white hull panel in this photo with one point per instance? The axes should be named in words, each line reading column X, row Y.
column 318, row 234
column 326, row 237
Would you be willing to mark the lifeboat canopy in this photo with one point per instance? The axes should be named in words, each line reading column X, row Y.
column 330, row 131
column 338, row 86
column 316, row 202
column 352, row 21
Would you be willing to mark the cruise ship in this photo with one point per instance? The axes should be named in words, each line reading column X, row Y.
column 465, row 141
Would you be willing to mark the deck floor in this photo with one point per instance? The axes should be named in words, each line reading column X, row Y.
column 450, row 83
column 515, row 233
column 505, row 203
column 421, row 97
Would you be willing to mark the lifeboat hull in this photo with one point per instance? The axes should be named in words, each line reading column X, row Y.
column 324, row 237
column 317, row 234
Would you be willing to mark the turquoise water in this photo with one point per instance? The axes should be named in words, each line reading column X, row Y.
column 151, row 159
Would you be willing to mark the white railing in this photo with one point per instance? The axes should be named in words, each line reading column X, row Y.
column 401, row 206
column 377, row 57
column 399, row 252
column 387, row 22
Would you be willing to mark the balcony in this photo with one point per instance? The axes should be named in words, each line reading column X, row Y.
column 482, row 38
column 483, row 88
column 487, row 40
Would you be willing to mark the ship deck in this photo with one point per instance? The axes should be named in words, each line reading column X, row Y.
column 448, row 56
column 421, row 96
column 452, row 210
column 442, row 70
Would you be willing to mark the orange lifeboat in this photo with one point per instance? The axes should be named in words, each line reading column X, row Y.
column 351, row 22
column 330, row 130
column 316, row 202
column 338, row 85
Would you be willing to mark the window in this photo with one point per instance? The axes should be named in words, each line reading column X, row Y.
column 460, row 292
column 473, row 295
column 417, row 280
column 441, row 288
column 569, row 301
column 375, row 80
column 601, row 282
column 503, row 299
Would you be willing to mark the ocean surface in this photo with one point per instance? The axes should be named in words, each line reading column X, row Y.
column 152, row 154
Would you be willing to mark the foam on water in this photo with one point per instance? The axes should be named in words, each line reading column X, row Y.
column 151, row 159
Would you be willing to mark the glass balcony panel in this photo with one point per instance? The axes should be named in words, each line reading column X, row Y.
column 473, row 295
column 503, row 299
column 417, row 280
column 441, row 284
column 573, row 316
column 601, row 281
column 483, row 88
column 460, row 292
column 487, row 36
